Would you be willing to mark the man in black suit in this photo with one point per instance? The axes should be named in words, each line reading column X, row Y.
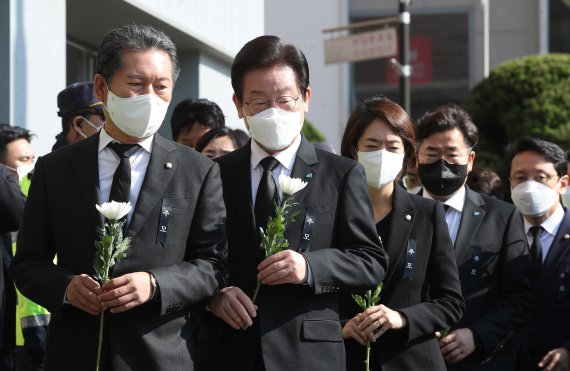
column 537, row 172
column 333, row 245
column 490, row 246
column 11, row 207
column 176, row 258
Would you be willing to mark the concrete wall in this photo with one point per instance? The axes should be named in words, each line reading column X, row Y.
column 301, row 23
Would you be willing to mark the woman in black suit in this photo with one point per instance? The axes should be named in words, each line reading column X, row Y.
column 421, row 293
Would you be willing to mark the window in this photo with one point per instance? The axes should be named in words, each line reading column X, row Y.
column 81, row 60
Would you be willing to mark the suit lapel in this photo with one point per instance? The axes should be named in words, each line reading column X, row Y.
column 156, row 179
column 471, row 218
column 400, row 229
column 560, row 246
column 85, row 166
column 305, row 169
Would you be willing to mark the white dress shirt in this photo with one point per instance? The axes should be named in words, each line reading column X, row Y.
column 286, row 160
column 109, row 161
column 550, row 228
column 454, row 212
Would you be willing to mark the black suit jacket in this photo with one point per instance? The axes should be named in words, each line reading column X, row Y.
column 61, row 219
column 549, row 326
column 430, row 298
column 298, row 325
column 11, row 208
column 494, row 269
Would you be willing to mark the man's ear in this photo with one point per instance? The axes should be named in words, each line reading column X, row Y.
column 238, row 106
column 307, row 99
column 564, row 184
column 100, row 88
column 470, row 161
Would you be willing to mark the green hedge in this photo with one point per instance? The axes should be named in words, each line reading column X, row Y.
column 524, row 96
column 312, row 134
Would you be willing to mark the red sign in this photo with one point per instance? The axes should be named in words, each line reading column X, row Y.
column 420, row 60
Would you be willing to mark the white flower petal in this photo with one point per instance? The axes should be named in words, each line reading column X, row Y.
column 290, row 185
column 114, row 210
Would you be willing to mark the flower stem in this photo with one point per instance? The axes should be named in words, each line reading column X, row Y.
column 256, row 292
column 367, row 361
column 100, row 340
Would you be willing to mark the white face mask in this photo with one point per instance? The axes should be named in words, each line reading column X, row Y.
column 274, row 128
column 412, row 190
column 381, row 167
column 533, row 198
column 140, row 116
column 23, row 170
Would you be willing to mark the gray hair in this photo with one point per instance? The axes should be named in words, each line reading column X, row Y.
column 133, row 37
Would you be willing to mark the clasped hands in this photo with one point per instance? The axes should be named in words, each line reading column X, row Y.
column 118, row 294
column 233, row 306
column 373, row 323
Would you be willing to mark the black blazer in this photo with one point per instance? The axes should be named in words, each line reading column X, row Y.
column 11, row 208
column 298, row 325
column 549, row 327
column 60, row 218
column 494, row 268
column 428, row 294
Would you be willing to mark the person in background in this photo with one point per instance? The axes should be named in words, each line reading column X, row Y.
column 193, row 118
column 566, row 196
column 538, row 175
column 222, row 140
column 81, row 114
column 16, row 161
column 411, row 180
column 490, row 245
column 485, row 181
column 380, row 135
column 294, row 324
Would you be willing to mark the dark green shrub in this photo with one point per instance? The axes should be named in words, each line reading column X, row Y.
column 312, row 134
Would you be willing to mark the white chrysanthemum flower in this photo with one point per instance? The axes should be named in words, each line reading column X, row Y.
column 290, row 185
column 114, row 210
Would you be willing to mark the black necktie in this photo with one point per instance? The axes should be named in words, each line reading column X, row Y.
column 121, row 187
column 445, row 207
column 536, row 248
column 266, row 193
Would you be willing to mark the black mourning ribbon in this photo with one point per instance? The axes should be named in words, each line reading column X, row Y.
column 121, row 186
column 266, row 193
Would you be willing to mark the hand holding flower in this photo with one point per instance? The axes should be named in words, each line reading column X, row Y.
column 287, row 266
column 82, row 292
column 126, row 292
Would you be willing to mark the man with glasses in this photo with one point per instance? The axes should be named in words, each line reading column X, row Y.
column 333, row 244
column 537, row 172
column 81, row 114
column 490, row 246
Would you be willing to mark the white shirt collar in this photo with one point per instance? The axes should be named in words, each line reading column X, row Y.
column 457, row 201
column 551, row 224
column 286, row 157
column 105, row 139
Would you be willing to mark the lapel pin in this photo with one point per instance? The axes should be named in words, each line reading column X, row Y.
column 408, row 217
column 567, row 236
column 309, row 176
column 476, row 213
column 168, row 165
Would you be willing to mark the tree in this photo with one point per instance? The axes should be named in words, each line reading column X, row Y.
column 524, row 96
column 312, row 134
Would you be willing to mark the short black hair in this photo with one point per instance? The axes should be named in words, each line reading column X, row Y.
column 8, row 134
column 238, row 137
column 549, row 151
column 266, row 52
column 447, row 118
column 190, row 111
column 133, row 37
column 485, row 181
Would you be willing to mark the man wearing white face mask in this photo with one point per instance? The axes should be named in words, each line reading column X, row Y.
column 537, row 171
column 81, row 114
column 333, row 245
column 177, row 254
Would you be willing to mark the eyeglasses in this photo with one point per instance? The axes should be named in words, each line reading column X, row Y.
column 452, row 157
column 286, row 103
column 539, row 178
